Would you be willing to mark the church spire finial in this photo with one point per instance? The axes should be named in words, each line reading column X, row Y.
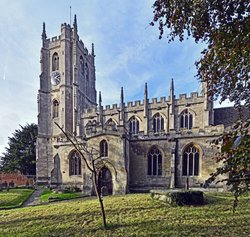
column 122, row 96
column 172, row 85
column 44, row 36
column 75, row 23
column 172, row 89
column 93, row 50
column 100, row 98
column 146, row 90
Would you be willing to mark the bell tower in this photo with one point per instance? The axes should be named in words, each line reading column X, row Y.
column 67, row 87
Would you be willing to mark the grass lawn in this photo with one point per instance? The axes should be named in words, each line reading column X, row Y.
column 48, row 196
column 130, row 215
column 14, row 198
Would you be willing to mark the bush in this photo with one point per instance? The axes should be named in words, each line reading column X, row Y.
column 187, row 198
column 179, row 198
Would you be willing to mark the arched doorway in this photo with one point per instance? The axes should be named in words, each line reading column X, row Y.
column 105, row 184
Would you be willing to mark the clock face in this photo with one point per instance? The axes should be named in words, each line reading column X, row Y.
column 55, row 78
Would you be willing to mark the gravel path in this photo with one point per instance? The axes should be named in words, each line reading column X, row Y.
column 34, row 198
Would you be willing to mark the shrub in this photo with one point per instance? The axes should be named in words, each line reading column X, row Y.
column 179, row 198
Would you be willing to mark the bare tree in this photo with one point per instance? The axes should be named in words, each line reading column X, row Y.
column 94, row 163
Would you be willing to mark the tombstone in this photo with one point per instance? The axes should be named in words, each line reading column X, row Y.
column 11, row 184
column 4, row 184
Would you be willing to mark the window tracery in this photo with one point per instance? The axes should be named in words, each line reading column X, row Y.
column 154, row 162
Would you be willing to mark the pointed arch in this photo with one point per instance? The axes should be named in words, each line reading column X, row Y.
column 55, row 62
column 134, row 125
column 155, row 160
column 111, row 124
column 87, row 72
column 103, row 148
column 75, row 164
column 55, row 108
column 158, row 122
column 186, row 119
column 191, row 159
column 105, row 181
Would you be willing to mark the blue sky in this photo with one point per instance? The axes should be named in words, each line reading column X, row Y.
column 128, row 53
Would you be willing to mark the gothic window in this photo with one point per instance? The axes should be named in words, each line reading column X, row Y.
column 186, row 119
column 134, row 125
column 190, row 161
column 81, row 65
column 55, row 62
column 87, row 71
column 110, row 125
column 154, row 162
column 75, row 167
column 103, row 148
column 55, row 109
column 158, row 123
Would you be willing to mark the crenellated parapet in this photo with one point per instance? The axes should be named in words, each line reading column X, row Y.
column 167, row 112
column 193, row 98
column 158, row 104
column 90, row 111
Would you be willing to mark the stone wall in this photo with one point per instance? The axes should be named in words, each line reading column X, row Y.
column 16, row 179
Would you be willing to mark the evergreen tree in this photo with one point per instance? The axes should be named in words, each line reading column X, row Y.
column 20, row 155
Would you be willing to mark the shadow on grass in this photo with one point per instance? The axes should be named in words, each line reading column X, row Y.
column 154, row 228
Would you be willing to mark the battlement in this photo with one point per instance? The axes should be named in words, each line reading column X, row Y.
column 65, row 25
column 56, row 38
column 81, row 44
column 90, row 111
column 54, row 41
column 156, row 101
column 84, row 49
column 193, row 95
column 111, row 108
column 132, row 104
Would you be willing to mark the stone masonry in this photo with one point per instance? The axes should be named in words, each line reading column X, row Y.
column 151, row 143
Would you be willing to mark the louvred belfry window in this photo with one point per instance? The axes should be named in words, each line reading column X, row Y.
column 55, row 62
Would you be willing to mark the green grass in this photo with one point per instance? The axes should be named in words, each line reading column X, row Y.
column 14, row 198
column 130, row 215
column 49, row 195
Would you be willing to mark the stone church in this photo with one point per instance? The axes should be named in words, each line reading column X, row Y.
column 153, row 143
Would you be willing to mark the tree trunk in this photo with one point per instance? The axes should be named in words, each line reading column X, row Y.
column 99, row 196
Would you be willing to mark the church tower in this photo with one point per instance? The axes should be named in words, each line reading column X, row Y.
column 67, row 87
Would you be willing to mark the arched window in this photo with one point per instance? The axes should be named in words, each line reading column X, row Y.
column 186, row 119
column 87, row 71
column 103, row 148
column 154, row 162
column 111, row 125
column 75, row 167
column 158, row 123
column 81, row 65
column 55, row 109
column 190, row 161
column 134, row 125
column 55, row 62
